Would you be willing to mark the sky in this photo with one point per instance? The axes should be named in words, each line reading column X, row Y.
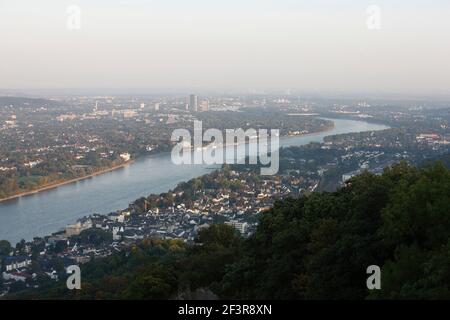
column 255, row 45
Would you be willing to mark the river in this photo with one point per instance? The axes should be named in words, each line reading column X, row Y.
column 46, row 212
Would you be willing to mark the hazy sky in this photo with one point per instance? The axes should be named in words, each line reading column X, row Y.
column 310, row 46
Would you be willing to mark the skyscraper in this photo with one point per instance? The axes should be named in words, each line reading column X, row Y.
column 193, row 103
column 204, row 105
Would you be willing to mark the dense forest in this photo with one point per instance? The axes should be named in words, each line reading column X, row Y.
column 315, row 247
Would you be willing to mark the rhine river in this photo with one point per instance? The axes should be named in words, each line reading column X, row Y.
column 46, row 212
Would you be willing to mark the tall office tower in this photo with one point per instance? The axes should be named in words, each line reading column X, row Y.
column 204, row 105
column 193, row 103
column 157, row 106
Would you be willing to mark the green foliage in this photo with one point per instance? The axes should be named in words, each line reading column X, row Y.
column 417, row 227
column 93, row 236
column 206, row 262
column 315, row 247
column 319, row 247
column 5, row 248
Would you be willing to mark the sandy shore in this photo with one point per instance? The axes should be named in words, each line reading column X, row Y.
column 59, row 184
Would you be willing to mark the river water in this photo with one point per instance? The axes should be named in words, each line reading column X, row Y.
column 46, row 212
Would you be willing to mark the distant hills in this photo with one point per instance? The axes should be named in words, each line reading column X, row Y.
column 26, row 102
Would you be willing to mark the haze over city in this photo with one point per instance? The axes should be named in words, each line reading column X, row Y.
column 255, row 155
column 303, row 46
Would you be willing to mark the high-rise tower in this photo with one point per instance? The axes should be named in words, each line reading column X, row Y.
column 193, row 103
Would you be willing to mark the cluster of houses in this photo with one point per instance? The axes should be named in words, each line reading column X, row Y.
column 433, row 139
column 120, row 230
column 181, row 215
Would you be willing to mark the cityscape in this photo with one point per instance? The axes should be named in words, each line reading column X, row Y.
column 210, row 159
column 112, row 136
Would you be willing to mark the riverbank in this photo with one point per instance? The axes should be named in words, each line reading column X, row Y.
column 54, row 185
column 43, row 213
column 326, row 129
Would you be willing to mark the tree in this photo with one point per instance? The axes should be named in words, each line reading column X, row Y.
column 206, row 262
column 20, row 246
column 315, row 247
column 5, row 248
column 94, row 236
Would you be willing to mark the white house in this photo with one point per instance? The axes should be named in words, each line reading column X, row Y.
column 12, row 263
